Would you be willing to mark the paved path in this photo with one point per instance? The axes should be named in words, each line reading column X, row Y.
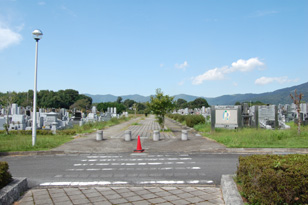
column 123, row 195
column 114, row 139
column 150, row 191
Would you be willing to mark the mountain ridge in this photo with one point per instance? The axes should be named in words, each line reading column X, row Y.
column 280, row 96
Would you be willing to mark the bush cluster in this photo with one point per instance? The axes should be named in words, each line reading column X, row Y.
column 274, row 179
column 190, row 120
column 66, row 132
column 5, row 176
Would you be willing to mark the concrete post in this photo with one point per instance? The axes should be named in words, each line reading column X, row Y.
column 213, row 118
column 156, row 135
column 99, row 135
column 184, row 135
column 128, row 135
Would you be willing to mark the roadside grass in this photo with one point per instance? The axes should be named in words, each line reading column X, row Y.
column 23, row 142
column 257, row 138
column 13, row 142
column 135, row 123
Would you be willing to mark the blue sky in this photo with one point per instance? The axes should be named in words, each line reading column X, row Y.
column 204, row 48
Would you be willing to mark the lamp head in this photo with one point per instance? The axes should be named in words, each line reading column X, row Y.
column 37, row 34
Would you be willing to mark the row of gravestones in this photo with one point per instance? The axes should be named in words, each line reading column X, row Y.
column 268, row 117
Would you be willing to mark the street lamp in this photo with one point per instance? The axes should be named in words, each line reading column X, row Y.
column 37, row 35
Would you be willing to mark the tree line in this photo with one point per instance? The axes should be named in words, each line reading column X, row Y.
column 47, row 99
column 71, row 99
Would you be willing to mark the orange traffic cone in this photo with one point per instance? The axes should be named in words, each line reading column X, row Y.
column 139, row 148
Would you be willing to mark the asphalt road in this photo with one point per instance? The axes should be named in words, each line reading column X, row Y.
column 124, row 168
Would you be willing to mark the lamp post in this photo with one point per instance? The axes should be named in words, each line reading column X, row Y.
column 37, row 35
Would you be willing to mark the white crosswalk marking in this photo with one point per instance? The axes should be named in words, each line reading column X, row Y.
column 132, row 169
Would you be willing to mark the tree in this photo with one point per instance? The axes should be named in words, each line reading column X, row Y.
column 82, row 104
column 160, row 105
column 181, row 103
column 103, row 106
column 198, row 103
column 297, row 101
column 119, row 100
column 129, row 103
column 135, row 108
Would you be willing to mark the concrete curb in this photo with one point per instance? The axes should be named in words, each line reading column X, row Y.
column 13, row 190
column 230, row 192
column 21, row 153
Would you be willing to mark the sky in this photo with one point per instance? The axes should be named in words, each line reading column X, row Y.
column 197, row 47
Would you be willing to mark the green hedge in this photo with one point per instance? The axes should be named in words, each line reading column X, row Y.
column 5, row 176
column 190, row 120
column 274, row 179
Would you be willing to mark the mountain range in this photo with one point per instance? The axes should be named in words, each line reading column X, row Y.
column 281, row 96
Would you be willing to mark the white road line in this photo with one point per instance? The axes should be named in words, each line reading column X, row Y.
column 154, row 163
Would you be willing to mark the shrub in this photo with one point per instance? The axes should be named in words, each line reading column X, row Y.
column 181, row 118
column 66, row 132
column 192, row 120
column 274, row 179
column 5, row 176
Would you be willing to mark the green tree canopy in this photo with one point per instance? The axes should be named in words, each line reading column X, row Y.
column 181, row 103
column 160, row 105
column 128, row 103
column 49, row 98
column 82, row 104
column 198, row 103
column 103, row 106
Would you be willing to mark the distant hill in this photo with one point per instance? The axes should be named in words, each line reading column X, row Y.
column 112, row 98
column 281, row 96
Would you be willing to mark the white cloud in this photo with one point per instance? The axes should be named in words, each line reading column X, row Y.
column 8, row 37
column 182, row 66
column 161, row 65
column 266, row 80
column 246, row 65
column 219, row 73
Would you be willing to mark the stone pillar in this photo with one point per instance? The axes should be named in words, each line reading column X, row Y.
column 213, row 118
column 156, row 135
column 54, row 127
column 128, row 135
column 184, row 135
column 276, row 117
column 99, row 135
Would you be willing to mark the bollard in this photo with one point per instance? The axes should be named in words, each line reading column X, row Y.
column 184, row 135
column 99, row 135
column 80, row 123
column 156, row 135
column 128, row 135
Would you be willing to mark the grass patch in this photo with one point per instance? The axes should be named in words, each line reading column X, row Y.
column 257, row 138
column 135, row 123
column 166, row 130
column 23, row 141
column 13, row 143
